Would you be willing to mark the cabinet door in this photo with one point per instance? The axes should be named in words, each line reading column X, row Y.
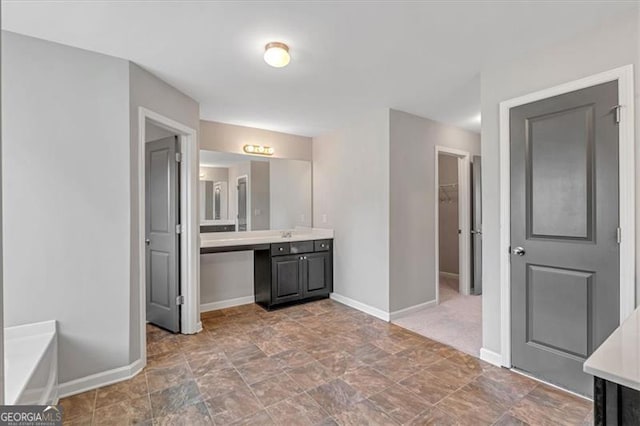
column 318, row 274
column 286, row 278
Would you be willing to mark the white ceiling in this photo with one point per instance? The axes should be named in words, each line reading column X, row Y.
column 347, row 57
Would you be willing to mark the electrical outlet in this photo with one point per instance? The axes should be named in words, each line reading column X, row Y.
column 324, row 218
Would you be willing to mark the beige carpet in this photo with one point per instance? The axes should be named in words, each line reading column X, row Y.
column 456, row 321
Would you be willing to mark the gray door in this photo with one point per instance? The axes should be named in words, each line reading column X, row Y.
column 162, row 218
column 242, row 204
column 476, row 225
column 564, row 218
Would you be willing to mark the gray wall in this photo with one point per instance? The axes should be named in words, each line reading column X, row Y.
column 351, row 189
column 412, row 203
column 602, row 49
column 66, row 158
column 225, row 276
column 230, row 138
column 260, row 212
column 148, row 91
column 448, row 244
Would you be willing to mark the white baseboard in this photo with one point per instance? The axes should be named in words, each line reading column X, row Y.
column 229, row 303
column 449, row 274
column 411, row 309
column 491, row 357
column 98, row 380
column 378, row 313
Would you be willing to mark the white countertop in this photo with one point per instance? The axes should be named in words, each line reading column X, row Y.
column 218, row 222
column 228, row 239
column 618, row 358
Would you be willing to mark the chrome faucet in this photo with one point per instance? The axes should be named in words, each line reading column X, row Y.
column 286, row 234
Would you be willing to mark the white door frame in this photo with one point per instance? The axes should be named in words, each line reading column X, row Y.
column 624, row 76
column 247, row 202
column 464, row 218
column 190, row 235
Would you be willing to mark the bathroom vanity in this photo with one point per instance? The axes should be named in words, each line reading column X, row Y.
column 289, row 266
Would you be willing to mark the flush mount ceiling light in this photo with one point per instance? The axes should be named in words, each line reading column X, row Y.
column 276, row 54
column 258, row 149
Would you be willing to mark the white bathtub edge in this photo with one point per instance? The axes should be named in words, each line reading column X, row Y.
column 33, row 329
column 97, row 380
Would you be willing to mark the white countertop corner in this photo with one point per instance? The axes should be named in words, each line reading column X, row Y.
column 228, row 239
column 618, row 358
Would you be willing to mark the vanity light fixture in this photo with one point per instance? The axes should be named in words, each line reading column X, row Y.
column 276, row 54
column 258, row 149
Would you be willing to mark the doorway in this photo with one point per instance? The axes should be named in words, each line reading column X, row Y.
column 241, row 187
column 567, row 273
column 182, row 149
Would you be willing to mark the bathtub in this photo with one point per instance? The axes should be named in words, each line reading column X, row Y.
column 31, row 364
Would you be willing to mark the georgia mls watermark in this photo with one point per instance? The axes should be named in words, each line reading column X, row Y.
column 30, row 415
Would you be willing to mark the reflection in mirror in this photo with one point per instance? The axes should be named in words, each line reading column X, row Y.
column 250, row 193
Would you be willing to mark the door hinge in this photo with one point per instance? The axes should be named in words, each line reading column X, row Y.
column 179, row 157
column 180, row 300
column 617, row 109
column 178, row 229
column 618, row 235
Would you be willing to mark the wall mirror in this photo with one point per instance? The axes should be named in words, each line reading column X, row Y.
column 252, row 193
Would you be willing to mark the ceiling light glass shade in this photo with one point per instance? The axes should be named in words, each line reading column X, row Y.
column 276, row 54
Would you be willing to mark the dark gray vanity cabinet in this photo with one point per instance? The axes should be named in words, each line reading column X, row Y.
column 299, row 271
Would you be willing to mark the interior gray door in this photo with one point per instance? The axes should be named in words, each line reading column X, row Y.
column 476, row 224
column 564, row 220
column 162, row 239
column 242, row 204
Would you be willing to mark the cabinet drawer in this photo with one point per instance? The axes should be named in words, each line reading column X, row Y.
column 280, row 248
column 301, row 247
column 322, row 245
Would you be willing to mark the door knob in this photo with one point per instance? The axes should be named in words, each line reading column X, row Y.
column 147, row 241
column 519, row 251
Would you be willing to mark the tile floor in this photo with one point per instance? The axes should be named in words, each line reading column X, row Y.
column 317, row 364
column 456, row 321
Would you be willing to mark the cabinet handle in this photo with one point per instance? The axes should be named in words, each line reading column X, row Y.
column 281, row 248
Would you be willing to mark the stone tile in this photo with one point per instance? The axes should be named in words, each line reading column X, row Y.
column 369, row 353
column 506, row 387
column 201, row 365
column 261, row 418
column 233, row 406
column 80, row 405
column 472, row 364
column 452, row 373
column 367, row 381
column 292, row 358
column 433, row 416
column 300, row 410
column 364, row 413
column 508, row 420
column 420, row 356
column 174, row 398
column 428, row 387
column 275, row 389
column 310, row 375
column 220, row 382
column 340, row 363
column 166, row 359
column 335, row 396
column 166, row 344
column 78, row 421
column 130, row 411
column 196, row 414
column 258, row 370
column 122, row 391
column 546, row 405
column 399, row 403
column 472, row 405
column 395, row 367
column 244, row 354
column 162, row 378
